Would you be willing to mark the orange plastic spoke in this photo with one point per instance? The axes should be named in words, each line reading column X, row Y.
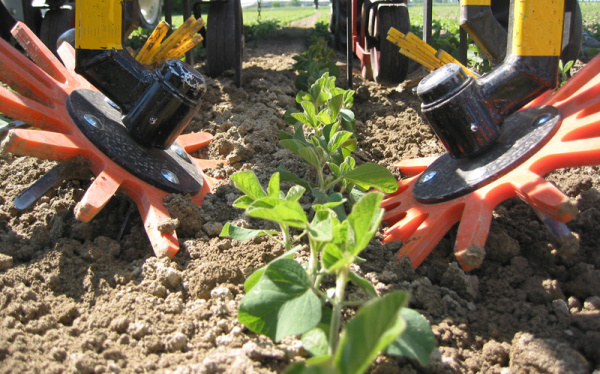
column 163, row 243
column 545, row 197
column 195, row 141
column 29, row 111
column 472, row 234
column 415, row 166
column 39, row 53
column 41, row 144
column 97, row 195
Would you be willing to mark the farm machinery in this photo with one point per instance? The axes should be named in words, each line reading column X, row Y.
column 502, row 131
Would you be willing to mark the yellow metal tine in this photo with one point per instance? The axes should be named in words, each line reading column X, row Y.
column 173, row 39
column 153, row 42
column 416, row 58
column 448, row 59
column 420, row 54
column 176, row 53
column 420, row 43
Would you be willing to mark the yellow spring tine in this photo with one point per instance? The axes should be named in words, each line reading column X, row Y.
column 172, row 41
column 423, row 55
column 153, row 42
column 184, row 47
column 448, row 59
column 414, row 48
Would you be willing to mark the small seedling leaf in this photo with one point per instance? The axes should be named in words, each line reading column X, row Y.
column 279, row 210
column 316, row 341
column 247, row 182
column 417, row 341
column 364, row 220
column 273, row 187
column 281, row 303
column 373, row 175
column 375, row 326
column 240, row 233
column 363, row 283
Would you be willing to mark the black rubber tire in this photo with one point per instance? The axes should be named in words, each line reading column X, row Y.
column 387, row 64
column 337, row 24
column 54, row 24
column 225, row 39
column 151, row 20
column 572, row 32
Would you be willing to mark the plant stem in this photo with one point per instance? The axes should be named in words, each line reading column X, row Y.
column 336, row 315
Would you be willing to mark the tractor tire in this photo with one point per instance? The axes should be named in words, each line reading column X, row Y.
column 150, row 13
column 54, row 24
column 225, row 39
column 389, row 66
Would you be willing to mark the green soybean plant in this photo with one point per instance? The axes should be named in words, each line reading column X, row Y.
column 314, row 62
column 287, row 298
column 327, row 148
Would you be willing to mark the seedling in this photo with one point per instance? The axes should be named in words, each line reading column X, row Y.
column 286, row 298
column 331, row 124
column 314, row 62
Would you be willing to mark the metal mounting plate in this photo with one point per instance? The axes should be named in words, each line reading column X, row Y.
column 523, row 134
column 101, row 124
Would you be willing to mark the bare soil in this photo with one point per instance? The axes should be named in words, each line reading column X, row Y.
column 75, row 299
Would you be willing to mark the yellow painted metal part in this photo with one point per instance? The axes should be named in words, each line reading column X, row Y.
column 416, row 49
column 537, row 27
column 156, row 50
column 98, row 24
column 475, row 2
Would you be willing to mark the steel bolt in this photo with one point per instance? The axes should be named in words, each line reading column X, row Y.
column 427, row 176
column 180, row 152
column 170, row 176
column 541, row 119
column 92, row 120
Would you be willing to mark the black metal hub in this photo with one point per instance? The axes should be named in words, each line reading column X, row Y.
column 523, row 134
column 170, row 170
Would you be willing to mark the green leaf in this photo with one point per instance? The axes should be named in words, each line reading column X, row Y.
column 243, row 202
column 335, row 169
column 311, row 112
column 334, row 258
column 247, row 182
column 417, row 341
column 273, row 187
column 254, row 278
column 240, row 233
column 373, row 175
column 287, row 176
column 295, row 193
column 363, row 283
column 335, row 105
column 311, row 157
column 364, row 220
column 281, row 303
column 321, row 226
column 306, row 368
column 338, row 140
column 316, row 341
column 279, row 210
column 288, row 118
column 293, row 145
column 375, row 326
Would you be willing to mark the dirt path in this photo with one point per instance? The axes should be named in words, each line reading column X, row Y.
column 77, row 300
